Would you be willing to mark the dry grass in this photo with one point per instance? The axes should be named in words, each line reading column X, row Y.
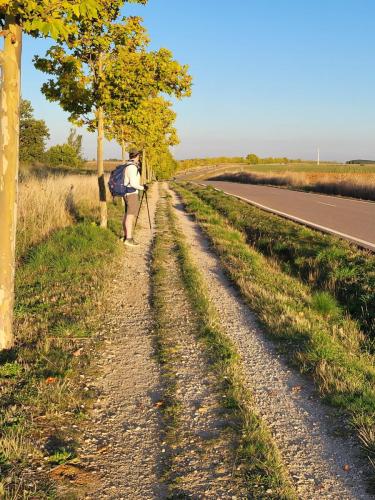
column 108, row 165
column 355, row 184
column 49, row 204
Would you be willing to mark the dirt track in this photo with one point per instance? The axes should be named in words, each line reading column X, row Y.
column 124, row 447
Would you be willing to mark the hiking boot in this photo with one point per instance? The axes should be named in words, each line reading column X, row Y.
column 131, row 242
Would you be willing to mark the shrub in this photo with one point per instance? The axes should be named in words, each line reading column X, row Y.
column 63, row 155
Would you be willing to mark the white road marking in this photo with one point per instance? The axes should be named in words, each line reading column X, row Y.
column 328, row 204
column 366, row 244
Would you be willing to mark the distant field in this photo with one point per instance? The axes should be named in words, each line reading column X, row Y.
column 313, row 167
column 108, row 165
column 356, row 181
column 306, row 167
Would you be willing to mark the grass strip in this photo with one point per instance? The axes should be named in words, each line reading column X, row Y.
column 261, row 464
column 58, row 296
column 325, row 262
column 327, row 345
column 352, row 186
column 165, row 351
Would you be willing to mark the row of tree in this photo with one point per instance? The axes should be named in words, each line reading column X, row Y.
column 104, row 75
column 253, row 159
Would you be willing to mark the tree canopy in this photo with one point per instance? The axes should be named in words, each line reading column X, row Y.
column 55, row 18
column 33, row 134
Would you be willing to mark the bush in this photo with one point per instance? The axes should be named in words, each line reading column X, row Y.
column 63, row 155
column 252, row 159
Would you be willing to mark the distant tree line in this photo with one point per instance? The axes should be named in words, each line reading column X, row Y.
column 360, row 162
column 251, row 159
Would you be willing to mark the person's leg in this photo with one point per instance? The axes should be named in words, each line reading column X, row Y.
column 129, row 220
column 132, row 206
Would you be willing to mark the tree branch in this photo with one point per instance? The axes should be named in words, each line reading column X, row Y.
column 2, row 57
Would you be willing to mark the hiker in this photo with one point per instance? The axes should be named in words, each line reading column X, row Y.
column 132, row 181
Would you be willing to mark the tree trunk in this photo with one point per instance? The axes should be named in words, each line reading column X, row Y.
column 148, row 171
column 9, row 150
column 123, row 151
column 144, row 167
column 100, row 165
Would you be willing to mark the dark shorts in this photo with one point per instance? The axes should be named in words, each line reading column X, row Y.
column 131, row 203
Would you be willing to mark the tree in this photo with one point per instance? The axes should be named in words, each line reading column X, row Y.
column 33, row 134
column 58, row 19
column 82, row 77
column 108, row 70
column 148, row 127
column 63, row 155
column 252, row 159
column 75, row 141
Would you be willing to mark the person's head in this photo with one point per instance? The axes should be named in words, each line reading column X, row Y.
column 134, row 155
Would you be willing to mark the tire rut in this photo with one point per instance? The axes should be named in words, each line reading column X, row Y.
column 122, row 446
column 322, row 466
column 201, row 446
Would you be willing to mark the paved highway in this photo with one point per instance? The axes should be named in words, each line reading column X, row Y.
column 350, row 219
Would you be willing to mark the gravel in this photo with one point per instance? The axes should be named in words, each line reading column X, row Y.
column 202, row 447
column 321, row 463
column 122, row 443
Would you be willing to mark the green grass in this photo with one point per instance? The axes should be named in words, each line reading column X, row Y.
column 312, row 332
column 58, row 295
column 326, row 263
column 261, row 468
column 166, row 352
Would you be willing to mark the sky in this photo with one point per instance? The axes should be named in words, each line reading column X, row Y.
column 270, row 77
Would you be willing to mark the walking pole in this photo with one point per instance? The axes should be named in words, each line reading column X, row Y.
column 148, row 210
column 139, row 209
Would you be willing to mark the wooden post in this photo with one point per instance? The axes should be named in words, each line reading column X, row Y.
column 100, row 166
column 123, row 151
column 144, row 166
column 9, row 151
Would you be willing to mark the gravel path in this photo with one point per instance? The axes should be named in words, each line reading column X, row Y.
column 202, row 446
column 321, row 465
column 122, row 445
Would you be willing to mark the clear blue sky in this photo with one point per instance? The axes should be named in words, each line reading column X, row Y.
column 273, row 77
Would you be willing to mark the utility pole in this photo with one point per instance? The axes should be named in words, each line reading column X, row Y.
column 318, row 162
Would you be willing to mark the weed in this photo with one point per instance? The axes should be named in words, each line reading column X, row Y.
column 325, row 304
column 10, row 370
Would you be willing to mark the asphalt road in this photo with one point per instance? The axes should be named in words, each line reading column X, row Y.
column 351, row 219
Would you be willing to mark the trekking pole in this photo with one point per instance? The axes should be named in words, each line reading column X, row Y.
column 139, row 209
column 148, row 210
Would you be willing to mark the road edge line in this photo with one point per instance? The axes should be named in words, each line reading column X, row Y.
column 358, row 241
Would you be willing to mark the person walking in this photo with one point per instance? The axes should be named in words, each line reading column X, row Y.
column 132, row 182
